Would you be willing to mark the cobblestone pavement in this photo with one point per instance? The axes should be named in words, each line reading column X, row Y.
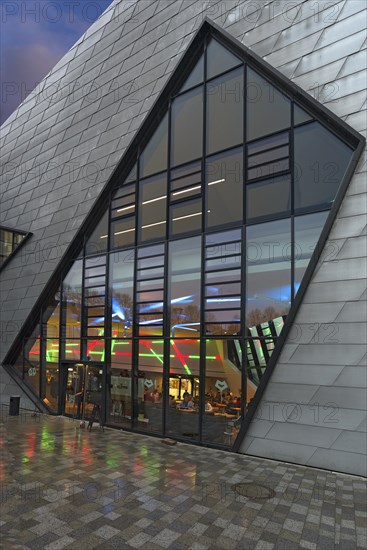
column 63, row 487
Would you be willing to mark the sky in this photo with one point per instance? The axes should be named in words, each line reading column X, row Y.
column 34, row 36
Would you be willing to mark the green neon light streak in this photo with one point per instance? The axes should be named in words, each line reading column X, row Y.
column 153, row 353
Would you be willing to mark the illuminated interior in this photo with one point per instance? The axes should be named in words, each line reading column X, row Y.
column 169, row 316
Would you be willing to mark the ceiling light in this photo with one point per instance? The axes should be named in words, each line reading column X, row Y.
column 188, row 216
column 216, row 181
column 154, row 200
column 125, row 231
column 152, row 224
column 126, row 208
column 186, row 190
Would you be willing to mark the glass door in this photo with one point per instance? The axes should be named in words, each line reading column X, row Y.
column 81, row 389
column 72, row 390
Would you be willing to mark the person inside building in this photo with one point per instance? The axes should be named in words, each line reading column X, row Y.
column 187, row 403
column 208, row 406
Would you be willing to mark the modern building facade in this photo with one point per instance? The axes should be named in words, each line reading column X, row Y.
column 195, row 225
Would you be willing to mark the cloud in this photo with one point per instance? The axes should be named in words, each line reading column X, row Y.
column 30, row 47
column 23, row 68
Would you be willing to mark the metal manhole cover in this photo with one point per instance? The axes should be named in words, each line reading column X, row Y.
column 253, row 491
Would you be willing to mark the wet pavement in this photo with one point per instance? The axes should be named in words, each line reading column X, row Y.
column 63, row 487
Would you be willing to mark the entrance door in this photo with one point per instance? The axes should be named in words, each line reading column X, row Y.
column 82, row 388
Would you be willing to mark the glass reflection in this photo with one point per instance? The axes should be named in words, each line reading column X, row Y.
column 154, row 157
column 268, row 110
column 225, row 112
column 72, row 301
column 119, row 396
column 187, row 127
column 268, row 271
column 32, row 360
column 307, row 231
column 50, row 374
column 121, row 291
column 152, row 211
column 184, row 286
column 184, row 386
column 98, row 241
column 224, row 175
column 219, row 59
column 223, row 391
column 150, row 385
column 320, row 162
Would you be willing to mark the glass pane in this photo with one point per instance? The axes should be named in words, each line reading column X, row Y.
column 123, row 204
column 150, row 324
column 150, row 386
column 6, row 244
column 224, row 175
column 150, row 250
column 96, row 261
column 72, row 301
column 95, row 349
column 121, row 290
column 51, row 375
column 307, row 230
column 186, row 217
column 257, row 356
column 154, row 157
column 119, row 388
column 269, row 170
column 95, row 281
column 223, row 237
column 321, row 160
column 97, row 242
column 71, row 349
column 268, row 110
column 300, row 115
column 269, row 197
column 223, row 322
column 225, row 112
column 223, row 368
column 184, row 267
column 153, row 200
column 264, row 144
column 187, row 127
column 222, row 277
column 94, row 272
column 9, row 240
column 230, row 288
column 183, row 410
column 268, row 250
column 132, row 176
column 219, row 59
column 123, row 232
column 94, row 388
column 196, row 75
column 32, row 361
column 51, row 318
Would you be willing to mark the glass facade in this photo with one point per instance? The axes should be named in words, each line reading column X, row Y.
column 9, row 241
column 169, row 316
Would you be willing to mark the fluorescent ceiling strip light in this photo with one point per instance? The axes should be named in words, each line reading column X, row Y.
column 152, row 224
column 154, row 200
column 188, row 216
column 125, row 231
column 126, row 208
column 186, row 190
column 217, row 181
